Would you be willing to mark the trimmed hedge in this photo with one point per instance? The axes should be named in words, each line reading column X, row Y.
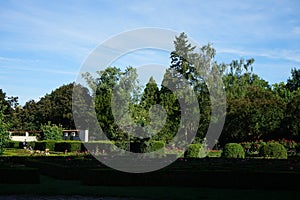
column 273, row 150
column 32, row 144
column 19, row 145
column 46, row 144
column 233, row 150
column 194, row 151
column 68, row 146
column 156, row 145
column 14, row 144
column 101, row 146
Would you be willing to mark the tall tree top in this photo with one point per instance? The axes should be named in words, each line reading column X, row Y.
column 293, row 83
column 182, row 46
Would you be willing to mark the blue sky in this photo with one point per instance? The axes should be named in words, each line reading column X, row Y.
column 43, row 43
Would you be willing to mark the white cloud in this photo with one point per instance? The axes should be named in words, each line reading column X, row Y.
column 286, row 54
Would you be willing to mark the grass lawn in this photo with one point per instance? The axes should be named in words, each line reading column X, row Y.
column 50, row 187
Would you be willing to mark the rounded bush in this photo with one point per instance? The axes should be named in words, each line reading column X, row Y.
column 273, row 150
column 194, row 151
column 233, row 150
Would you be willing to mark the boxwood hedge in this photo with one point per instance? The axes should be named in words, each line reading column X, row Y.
column 273, row 150
column 233, row 150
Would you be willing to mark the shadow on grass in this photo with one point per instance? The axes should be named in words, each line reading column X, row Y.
column 52, row 187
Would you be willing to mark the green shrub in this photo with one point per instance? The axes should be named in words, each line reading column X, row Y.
column 52, row 131
column 42, row 145
column 273, row 150
column 233, row 150
column 195, row 151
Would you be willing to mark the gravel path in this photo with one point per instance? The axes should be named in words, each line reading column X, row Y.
column 59, row 197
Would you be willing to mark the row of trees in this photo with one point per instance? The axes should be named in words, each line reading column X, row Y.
column 254, row 109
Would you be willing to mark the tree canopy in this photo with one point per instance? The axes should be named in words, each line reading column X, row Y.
column 255, row 109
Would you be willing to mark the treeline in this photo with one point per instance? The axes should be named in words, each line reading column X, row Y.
column 255, row 109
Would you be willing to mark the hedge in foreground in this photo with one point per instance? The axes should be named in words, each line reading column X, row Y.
column 273, row 150
column 233, row 150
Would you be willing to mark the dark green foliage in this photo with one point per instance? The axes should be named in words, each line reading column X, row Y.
column 194, row 151
column 4, row 140
column 42, row 145
column 233, row 150
column 273, row 150
column 55, row 107
column 249, row 116
column 293, row 83
column 292, row 118
column 14, row 144
column 69, row 146
column 4, row 134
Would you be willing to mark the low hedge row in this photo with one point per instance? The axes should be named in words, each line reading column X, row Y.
column 19, row 145
column 97, row 147
column 102, row 146
column 71, row 146
column 42, row 145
